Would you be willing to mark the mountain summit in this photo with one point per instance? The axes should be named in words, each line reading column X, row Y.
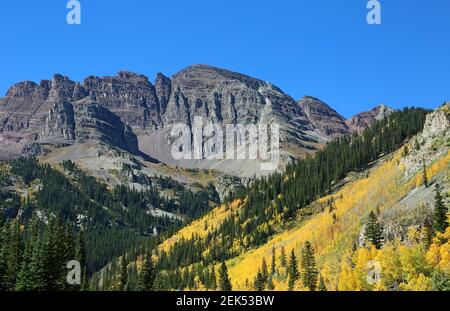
column 130, row 113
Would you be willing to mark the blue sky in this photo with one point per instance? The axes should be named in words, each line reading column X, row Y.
column 306, row 47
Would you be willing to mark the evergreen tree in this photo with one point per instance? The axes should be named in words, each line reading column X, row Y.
column 25, row 276
column 283, row 257
column 213, row 278
column 123, row 281
column 309, row 269
column 322, row 287
column 293, row 273
column 260, row 282
column 264, row 270
column 54, row 258
column 3, row 241
column 427, row 238
column 161, row 283
column 270, row 285
column 374, row 231
column 440, row 211
column 424, row 172
column 147, row 274
column 224, row 280
column 273, row 265
column 12, row 254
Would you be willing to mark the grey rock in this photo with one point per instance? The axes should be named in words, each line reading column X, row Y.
column 362, row 120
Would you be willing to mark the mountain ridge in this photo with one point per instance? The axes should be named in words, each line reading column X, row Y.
column 148, row 110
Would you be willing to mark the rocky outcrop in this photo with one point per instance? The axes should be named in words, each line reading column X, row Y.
column 95, row 122
column 130, row 113
column 130, row 96
column 323, row 117
column 433, row 142
column 362, row 120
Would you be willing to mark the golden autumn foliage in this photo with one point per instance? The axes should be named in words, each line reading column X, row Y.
column 403, row 266
column 204, row 225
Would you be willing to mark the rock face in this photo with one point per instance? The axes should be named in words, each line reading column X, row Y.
column 129, row 112
column 432, row 143
column 323, row 117
column 359, row 122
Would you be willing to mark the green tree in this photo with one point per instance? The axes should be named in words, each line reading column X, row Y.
column 309, row 269
column 224, row 279
column 213, row 278
column 260, row 282
column 440, row 211
column 374, row 231
column 12, row 254
column 24, row 281
column 161, row 282
column 424, row 172
column 264, row 270
column 273, row 265
column 322, row 287
column 283, row 257
column 123, row 280
column 293, row 273
column 147, row 274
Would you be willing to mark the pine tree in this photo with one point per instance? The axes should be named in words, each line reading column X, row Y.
column 374, row 231
column 147, row 274
column 161, row 283
column 12, row 254
column 224, row 280
column 273, row 265
column 440, row 211
column 260, row 283
column 24, row 281
column 425, row 177
column 283, row 257
column 123, row 281
column 3, row 240
column 213, row 278
column 293, row 273
column 55, row 264
column 322, row 287
column 309, row 269
column 264, row 270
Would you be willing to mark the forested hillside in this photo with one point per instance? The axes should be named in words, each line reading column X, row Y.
column 317, row 225
column 43, row 209
column 365, row 203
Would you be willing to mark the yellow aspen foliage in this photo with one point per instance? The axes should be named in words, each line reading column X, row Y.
column 417, row 283
column 438, row 254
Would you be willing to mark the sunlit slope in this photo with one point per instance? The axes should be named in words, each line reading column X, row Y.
column 334, row 237
column 202, row 226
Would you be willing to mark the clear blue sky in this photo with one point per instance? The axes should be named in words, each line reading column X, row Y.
column 306, row 47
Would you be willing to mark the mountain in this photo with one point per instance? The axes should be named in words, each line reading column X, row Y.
column 362, row 120
column 129, row 113
column 323, row 117
column 262, row 226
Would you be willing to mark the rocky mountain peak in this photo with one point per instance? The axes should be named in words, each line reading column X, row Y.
column 132, row 76
column 127, row 107
column 362, row 120
column 326, row 119
column 20, row 89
